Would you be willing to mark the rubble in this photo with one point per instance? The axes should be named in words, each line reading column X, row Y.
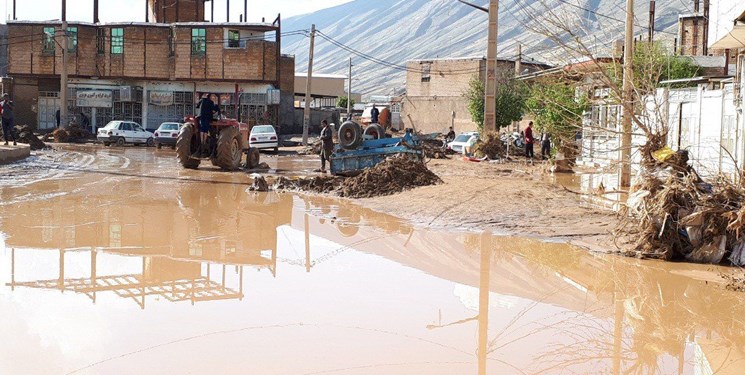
column 392, row 176
column 24, row 134
column 259, row 183
column 490, row 146
column 434, row 148
column 674, row 215
column 72, row 133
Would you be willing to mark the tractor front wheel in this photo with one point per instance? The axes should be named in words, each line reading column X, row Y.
column 253, row 157
column 186, row 145
column 229, row 151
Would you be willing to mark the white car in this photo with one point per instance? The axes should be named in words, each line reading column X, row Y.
column 263, row 136
column 167, row 134
column 121, row 132
column 462, row 140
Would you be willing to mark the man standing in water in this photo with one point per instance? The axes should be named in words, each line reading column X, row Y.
column 327, row 145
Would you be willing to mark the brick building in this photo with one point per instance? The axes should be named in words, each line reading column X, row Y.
column 434, row 97
column 151, row 72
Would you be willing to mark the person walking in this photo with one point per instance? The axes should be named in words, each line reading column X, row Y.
column 545, row 146
column 8, row 117
column 85, row 122
column 206, row 110
column 529, row 140
column 327, row 145
column 57, row 116
column 374, row 114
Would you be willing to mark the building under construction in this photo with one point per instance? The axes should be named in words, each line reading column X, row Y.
column 153, row 71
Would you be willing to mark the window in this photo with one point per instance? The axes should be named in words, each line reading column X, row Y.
column 72, row 33
column 126, row 126
column 234, row 39
column 426, row 67
column 198, row 42
column 117, row 41
column 100, row 41
column 49, row 40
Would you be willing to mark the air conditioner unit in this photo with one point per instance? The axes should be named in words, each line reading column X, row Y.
column 125, row 94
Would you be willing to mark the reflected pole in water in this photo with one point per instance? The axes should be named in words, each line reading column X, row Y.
column 617, row 332
column 94, row 255
column 307, row 242
column 484, row 301
column 12, row 269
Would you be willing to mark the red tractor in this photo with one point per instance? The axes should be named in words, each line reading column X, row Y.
column 227, row 142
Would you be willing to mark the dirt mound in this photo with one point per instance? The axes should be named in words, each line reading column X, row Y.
column 392, row 176
column 24, row 134
column 490, row 146
column 72, row 133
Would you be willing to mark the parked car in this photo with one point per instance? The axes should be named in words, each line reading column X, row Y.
column 167, row 134
column 264, row 136
column 121, row 132
column 461, row 141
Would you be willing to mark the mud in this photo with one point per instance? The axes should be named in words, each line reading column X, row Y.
column 118, row 261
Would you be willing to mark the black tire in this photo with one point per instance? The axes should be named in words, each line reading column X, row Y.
column 120, row 142
column 350, row 135
column 186, row 144
column 107, row 144
column 229, row 151
column 253, row 158
column 150, row 142
column 159, row 146
column 375, row 130
column 276, row 150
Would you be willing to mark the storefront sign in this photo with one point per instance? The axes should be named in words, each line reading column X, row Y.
column 96, row 99
column 163, row 98
column 220, row 99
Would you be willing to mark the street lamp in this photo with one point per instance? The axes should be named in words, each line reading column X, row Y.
column 63, row 74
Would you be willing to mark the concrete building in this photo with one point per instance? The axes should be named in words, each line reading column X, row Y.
column 151, row 72
column 434, row 97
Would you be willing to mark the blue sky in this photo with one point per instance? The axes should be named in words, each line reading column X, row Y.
column 134, row 10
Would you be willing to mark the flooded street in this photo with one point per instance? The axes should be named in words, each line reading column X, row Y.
column 118, row 261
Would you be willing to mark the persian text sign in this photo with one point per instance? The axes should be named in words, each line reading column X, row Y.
column 98, row 99
column 162, row 98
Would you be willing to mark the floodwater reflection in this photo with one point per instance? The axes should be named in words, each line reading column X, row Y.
column 149, row 276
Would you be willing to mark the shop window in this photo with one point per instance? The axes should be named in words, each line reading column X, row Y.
column 198, row 42
column 72, row 39
column 234, row 39
column 100, row 41
column 426, row 68
column 117, row 41
column 49, row 42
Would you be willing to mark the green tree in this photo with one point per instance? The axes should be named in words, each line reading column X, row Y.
column 556, row 109
column 342, row 102
column 510, row 97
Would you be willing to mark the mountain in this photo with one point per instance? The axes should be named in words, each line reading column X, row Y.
column 395, row 31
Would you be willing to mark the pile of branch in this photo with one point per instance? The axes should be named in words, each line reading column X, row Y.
column 491, row 146
column 72, row 133
column 433, row 148
column 674, row 215
column 24, row 134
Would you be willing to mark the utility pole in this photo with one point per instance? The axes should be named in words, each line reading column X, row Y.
column 628, row 99
column 490, row 97
column 519, row 61
column 349, row 91
column 651, row 20
column 227, row 14
column 245, row 10
column 63, row 75
column 308, row 86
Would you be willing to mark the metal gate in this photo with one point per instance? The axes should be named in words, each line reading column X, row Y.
column 49, row 103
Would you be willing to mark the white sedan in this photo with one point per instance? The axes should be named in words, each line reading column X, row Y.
column 462, row 140
column 121, row 132
column 264, row 136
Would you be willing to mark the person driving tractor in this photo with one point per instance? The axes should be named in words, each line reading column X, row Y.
column 207, row 109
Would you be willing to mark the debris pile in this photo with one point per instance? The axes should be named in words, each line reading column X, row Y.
column 72, row 133
column 259, row 183
column 434, row 148
column 673, row 214
column 311, row 149
column 392, row 176
column 490, row 146
column 24, row 134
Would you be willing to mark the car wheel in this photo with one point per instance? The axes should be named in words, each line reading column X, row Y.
column 120, row 142
column 107, row 144
column 276, row 150
column 159, row 146
column 150, row 142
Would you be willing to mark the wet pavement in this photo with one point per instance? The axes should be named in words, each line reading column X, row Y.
column 117, row 261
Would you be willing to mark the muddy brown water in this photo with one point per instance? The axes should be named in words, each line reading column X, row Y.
column 115, row 261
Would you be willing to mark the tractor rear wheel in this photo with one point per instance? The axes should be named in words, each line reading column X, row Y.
column 186, row 145
column 252, row 158
column 375, row 130
column 229, row 151
column 350, row 135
